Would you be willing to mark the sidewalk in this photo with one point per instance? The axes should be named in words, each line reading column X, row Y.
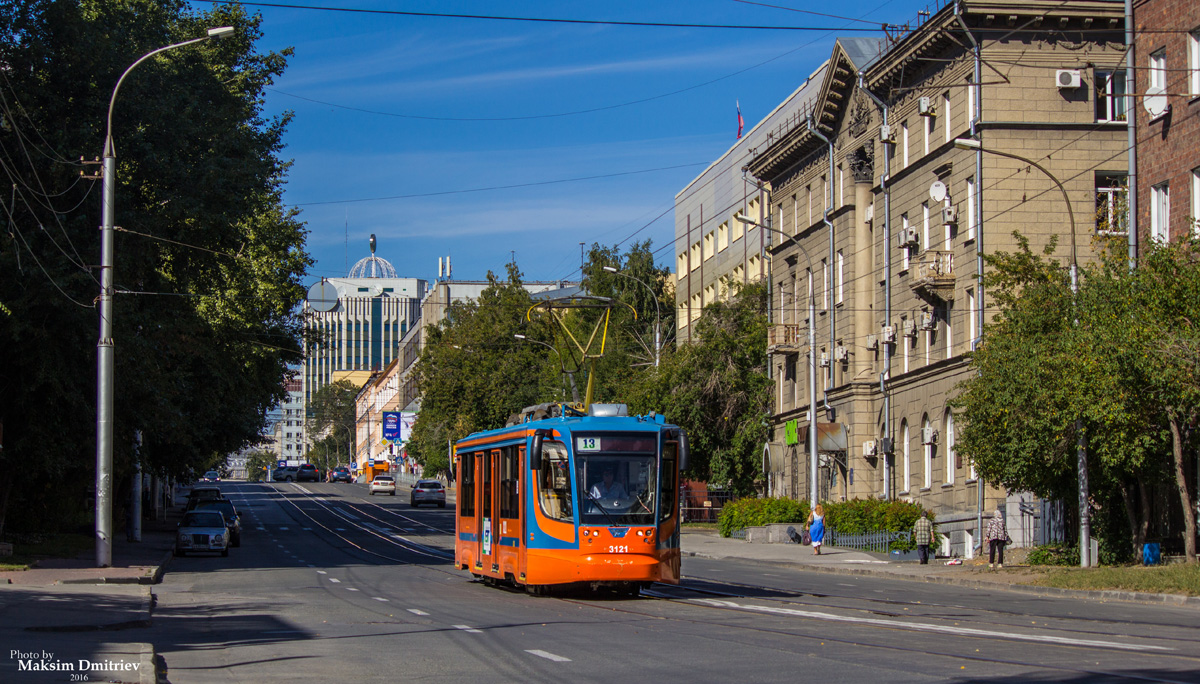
column 972, row 573
column 51, row 613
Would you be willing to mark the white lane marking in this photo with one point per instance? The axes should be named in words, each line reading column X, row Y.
column 260, row 529
column 844, row 585
column 340, row 529
column 351, row 589
column 380, row 598
column 415, row 611
column 548, row 656
column 307, row 529
column 346, row 513
column 923, row 627
column 283, row 529
column 322, row 572
column 335, row 580
column 302, row 488
column 465, row 628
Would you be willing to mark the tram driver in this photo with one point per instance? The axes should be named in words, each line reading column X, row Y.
column 608, row 488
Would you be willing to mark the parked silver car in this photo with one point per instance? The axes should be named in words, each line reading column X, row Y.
column 427, row 491
column 202, row 531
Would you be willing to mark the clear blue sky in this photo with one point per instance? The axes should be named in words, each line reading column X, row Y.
column 380, row 102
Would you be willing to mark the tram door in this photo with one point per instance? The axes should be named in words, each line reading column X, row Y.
column 509, row 534
column 487, row 500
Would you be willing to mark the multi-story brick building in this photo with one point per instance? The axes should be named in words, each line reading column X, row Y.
column 889, row 247
column 1166, row 57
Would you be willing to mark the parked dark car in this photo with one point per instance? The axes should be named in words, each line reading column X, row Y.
column 341, row 474
column 287, row 474
column 308, row 473
column 233, row 519
column 200, row 493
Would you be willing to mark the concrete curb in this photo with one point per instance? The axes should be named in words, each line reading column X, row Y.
column 1095, row 595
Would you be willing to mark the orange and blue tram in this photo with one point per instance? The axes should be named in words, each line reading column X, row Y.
column 566, row 498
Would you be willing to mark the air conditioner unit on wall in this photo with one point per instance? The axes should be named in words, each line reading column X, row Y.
column 913, row 235
column 840, row 353
column 869, row 447
column 887, row 135
column 926, row 320
column 872, row 341
column 910, row 328
column 929, row 435
column 888, row 334
column 925, row 107
column 949, row 215
column 824, row 360
column 1067, row 78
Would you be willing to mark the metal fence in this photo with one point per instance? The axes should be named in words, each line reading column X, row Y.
column 704, row 507
column 879, row 541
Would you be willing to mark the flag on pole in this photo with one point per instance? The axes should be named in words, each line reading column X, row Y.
column 740, row 122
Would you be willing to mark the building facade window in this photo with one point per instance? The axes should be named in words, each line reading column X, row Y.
column 1112, row 196
column 951, row 465
column 972, row 329
column 928, row 453
column 946, row 116
column 971, row 208
column 695, row 256
column 930, row 127
column 1160, row 211
column 1195, row 217
column 906, row 449
column 709, row 244
column 925, row 225
column 904, row 145
column 722, row 237
column 906, row 256
column 1194, row 63
column 825, row 291
column 1110, row 96
column 841, row 277
column 1158, row 69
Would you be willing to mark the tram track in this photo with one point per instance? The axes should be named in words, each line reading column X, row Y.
column 715, row 599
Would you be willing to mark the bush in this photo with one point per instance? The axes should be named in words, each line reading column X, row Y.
column 1053, row 554
column 859, row 516
column 743, row 513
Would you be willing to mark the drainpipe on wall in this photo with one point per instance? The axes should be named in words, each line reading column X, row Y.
column 812, row 127
column 887, row 287
column 978, row 201
column 1130, row 113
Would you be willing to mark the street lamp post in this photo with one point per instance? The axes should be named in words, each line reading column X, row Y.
column 813, row 492
column 657, row 312
column 570, row 376
column 104, row 346
column 1085, row 524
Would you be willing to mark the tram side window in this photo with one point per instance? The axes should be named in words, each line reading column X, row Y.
column 486, row 458
column 509, row 483
column 554, row 482
column 466, row 485
column 669, row 487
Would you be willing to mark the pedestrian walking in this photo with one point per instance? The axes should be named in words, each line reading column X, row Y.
column 923, row 536
column 997, row 537
column 816, row 528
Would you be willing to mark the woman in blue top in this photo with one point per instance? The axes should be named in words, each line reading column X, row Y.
column 816, row 527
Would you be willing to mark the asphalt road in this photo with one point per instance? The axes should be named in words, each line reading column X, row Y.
column 332, row 585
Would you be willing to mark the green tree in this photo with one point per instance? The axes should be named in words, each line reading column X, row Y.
column 208, row 262
column 473, row 373
column 1119, row 357
column 331, row 423
column 717, row 388
column 259, row 464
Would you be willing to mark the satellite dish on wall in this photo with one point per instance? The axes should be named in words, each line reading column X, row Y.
column 322, row 296
column 1155, row 100
column 937, row 191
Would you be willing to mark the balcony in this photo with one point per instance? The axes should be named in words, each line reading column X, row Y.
column 785, row 337
column 933, row 275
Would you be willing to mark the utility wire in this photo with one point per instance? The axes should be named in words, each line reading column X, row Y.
column 544, row 20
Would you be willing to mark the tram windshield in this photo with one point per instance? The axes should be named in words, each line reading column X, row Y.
column 617, row 476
